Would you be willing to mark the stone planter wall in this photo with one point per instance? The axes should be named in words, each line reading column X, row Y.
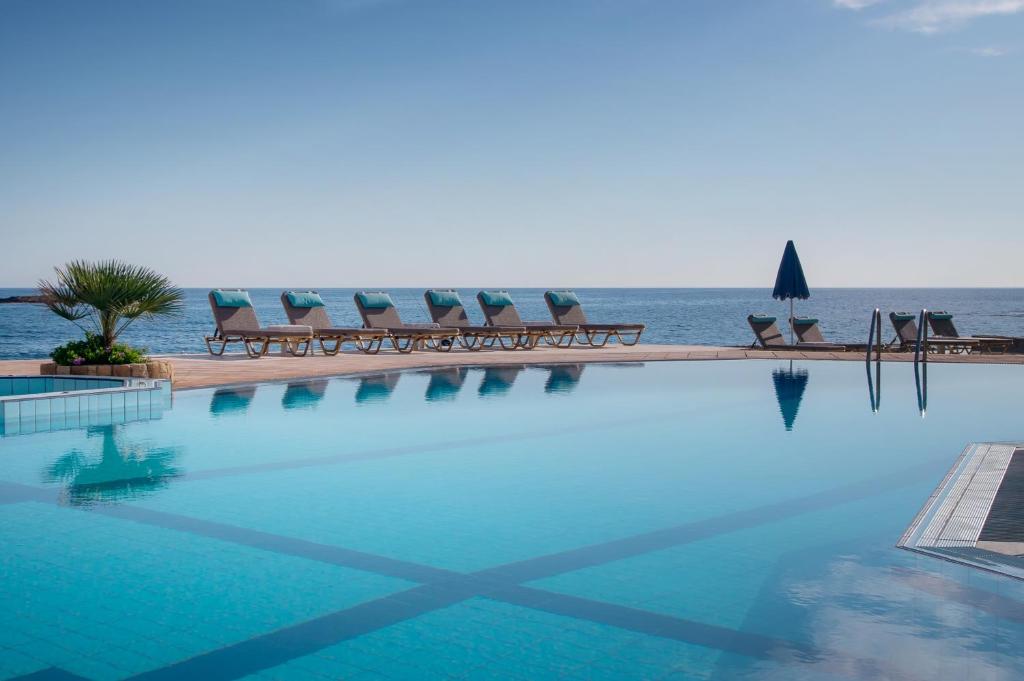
column 152, row 369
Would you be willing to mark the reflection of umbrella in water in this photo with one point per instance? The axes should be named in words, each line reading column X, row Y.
column 231, row 400
column 498, row 380
column 563, row 378
column 303, row 395
column 122, row 471
column 790, row 282
column 445, row 384
column 789, row 390
column 376, row 388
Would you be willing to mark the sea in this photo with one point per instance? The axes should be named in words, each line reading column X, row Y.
column 699, row 316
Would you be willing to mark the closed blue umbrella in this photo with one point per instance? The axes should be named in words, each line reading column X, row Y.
column 790, row 282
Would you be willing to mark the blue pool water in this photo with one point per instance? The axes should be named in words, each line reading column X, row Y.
column 698, row 316
column 705, row 520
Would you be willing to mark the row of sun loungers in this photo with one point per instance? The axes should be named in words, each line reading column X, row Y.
column 236, row 322
column 946, row 338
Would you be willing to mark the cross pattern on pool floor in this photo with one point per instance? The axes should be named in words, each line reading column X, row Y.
column 440, row 588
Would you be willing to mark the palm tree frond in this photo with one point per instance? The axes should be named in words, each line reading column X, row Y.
column 112, row 293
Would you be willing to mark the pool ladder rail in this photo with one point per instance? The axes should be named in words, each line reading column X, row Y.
column 920, row 361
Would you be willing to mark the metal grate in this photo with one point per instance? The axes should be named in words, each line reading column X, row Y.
column 1005, row 521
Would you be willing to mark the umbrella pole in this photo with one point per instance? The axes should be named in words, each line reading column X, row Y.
column 790, row 321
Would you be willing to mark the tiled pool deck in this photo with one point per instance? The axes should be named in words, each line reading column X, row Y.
column 202, row 371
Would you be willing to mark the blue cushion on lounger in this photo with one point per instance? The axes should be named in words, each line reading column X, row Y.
column 445, row 299
column 563, row 298
column 496, row 298
column 904, row 316
column 804, row 321
column 940, row 315
column 305, row 299
column 762, row 319
column 375, row 301
column 231, row 298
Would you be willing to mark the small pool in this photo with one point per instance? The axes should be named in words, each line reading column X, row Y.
column 699, row 520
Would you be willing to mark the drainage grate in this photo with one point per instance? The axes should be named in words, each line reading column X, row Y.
column 1005, row 521
column 976, row 516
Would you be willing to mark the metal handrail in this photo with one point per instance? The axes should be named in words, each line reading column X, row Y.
column 875, row 338
column 875, row 332
column 921, row 380
column 921, row 347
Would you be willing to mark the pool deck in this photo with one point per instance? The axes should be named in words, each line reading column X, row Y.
column 203, row 371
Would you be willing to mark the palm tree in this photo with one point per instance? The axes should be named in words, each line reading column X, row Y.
column 103, row 298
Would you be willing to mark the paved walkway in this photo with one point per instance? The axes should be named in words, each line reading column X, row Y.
column 198, row 371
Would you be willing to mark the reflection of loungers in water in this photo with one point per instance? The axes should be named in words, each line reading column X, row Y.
column 376, row 388
column 563, row 378
column 498, row 380
column 303, row 395
column 445, row 384
column 231, row 400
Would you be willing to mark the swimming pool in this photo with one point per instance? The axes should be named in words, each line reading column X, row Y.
column 698, row 520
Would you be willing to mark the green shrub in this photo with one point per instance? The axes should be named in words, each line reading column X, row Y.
column 92, row 350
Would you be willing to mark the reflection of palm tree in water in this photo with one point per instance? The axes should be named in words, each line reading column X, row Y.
column 123, row 470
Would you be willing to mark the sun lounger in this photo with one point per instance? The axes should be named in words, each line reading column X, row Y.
column 905, row 324
column 808, row 332
column 378, row 312
column 307, row 308
column 767, row 334
column 942, row 324
column 237, row 323
column 566, row 309
column 500, row 311
column 446, row 309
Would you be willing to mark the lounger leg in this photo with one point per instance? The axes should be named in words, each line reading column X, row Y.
column 254, row 349
column 527, row 341
column 210, row 340
column 623, row 341
column 329, row 351
column 471, row 343
column 564, row 340
column 368, row 347
column 506, row 342
column 405, row 348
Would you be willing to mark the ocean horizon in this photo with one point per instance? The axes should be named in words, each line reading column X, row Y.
column 690, row 316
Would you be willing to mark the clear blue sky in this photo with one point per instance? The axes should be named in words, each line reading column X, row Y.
column 518, row 143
